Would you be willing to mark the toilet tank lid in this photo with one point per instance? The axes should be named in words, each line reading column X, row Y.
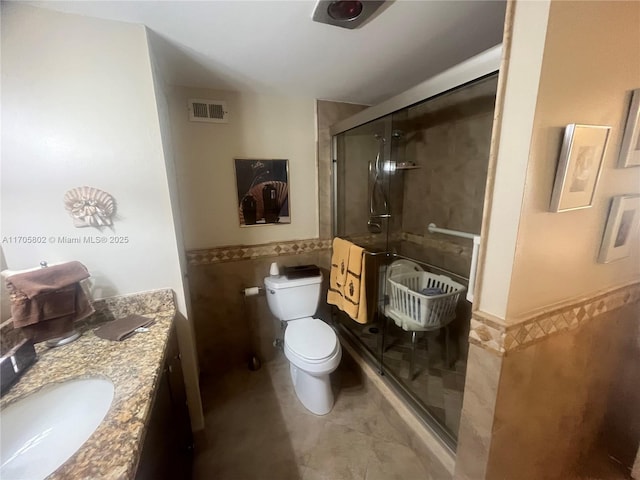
column 280, row 281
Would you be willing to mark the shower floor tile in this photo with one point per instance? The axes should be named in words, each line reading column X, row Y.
column 255, row 428
column 439, row 388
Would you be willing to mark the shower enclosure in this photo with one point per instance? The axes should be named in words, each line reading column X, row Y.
column 393, row 176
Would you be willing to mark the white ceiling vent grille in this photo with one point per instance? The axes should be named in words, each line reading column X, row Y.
column 212, row 111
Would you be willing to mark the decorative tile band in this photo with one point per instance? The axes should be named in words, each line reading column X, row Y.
column 244, row 252
column 231, row 253
column 493, row 336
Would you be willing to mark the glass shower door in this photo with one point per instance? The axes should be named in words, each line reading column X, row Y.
column 364, row 215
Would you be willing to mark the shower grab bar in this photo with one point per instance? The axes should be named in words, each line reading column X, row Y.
column 433, row 228
column 474, row 254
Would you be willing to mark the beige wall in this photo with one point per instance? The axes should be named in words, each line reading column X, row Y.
column 229, row 327
column 566, row 400
column 78, row 109
column 72, row 117
column 589, row 68
column 183, row 322
column 568, row 403
column 259, row 126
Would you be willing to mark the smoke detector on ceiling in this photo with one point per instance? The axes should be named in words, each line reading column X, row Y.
column 346, row 14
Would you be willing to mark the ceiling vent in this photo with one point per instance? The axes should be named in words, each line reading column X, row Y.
column 211, row 111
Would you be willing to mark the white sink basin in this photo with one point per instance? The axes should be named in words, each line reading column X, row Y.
column 40, row 432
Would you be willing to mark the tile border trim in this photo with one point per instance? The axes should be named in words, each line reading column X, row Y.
column 490, row 335
column 233, row 253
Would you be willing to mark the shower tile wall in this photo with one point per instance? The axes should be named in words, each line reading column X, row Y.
column 449, row 138
column 328, row 113
column 360, row 149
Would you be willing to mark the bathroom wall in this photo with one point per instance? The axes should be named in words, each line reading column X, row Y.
column 78, row 109
column 562, row 248
column 184, row 327
column 229, row 327
column 561, row 396
column 260, row 126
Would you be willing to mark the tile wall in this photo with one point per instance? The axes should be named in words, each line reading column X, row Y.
column 556, row 395
column 328, row 113
column 230, row 327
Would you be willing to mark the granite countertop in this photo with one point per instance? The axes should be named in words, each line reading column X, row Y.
column 133, row 365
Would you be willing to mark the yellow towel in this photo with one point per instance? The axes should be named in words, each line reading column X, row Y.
column 355, row 302
column 338, row 275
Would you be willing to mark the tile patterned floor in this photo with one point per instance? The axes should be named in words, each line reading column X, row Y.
column 255, row 428
column 439, row 388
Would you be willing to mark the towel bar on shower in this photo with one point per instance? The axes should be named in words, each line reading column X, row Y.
column 474, row 255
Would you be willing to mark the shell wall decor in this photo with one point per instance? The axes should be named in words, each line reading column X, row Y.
column 90, row 207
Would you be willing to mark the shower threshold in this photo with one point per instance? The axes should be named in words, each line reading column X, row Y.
column 395, row 384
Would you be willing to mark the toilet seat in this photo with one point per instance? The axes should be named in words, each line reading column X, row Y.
column 311, row 340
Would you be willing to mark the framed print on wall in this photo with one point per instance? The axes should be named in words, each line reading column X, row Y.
column 263, row 191
column 622, row 228
column 579, row 166
column 630, row 149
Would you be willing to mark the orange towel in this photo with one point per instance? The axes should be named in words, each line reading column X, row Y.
column 355, row 300
column 338, row 275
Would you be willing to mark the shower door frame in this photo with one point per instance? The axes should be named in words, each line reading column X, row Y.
column 483, row 64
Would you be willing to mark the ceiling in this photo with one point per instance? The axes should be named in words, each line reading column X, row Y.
column 274, row 47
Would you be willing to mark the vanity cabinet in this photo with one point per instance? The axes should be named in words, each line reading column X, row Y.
column 168, row 446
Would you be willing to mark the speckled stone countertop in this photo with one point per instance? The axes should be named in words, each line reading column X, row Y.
column 133, row 365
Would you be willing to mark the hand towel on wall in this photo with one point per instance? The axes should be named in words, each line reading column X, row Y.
column 338, row 274
column 355, row 302
column 46, row 302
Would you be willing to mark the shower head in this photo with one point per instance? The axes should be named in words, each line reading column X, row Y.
column 379, row 137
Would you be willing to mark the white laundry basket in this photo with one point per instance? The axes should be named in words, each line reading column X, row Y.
column 407, row 304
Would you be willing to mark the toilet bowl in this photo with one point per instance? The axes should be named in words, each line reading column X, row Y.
column 310, row 345
column 314, row 352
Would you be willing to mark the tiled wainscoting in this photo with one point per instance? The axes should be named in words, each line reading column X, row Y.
column 554, row 396
column 489, row 334
column 233, row 253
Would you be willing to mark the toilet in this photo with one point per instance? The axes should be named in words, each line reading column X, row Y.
column 310, row 345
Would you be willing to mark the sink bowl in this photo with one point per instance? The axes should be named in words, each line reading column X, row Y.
column 43, row 430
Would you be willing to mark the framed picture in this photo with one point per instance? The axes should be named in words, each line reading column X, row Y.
column 622, row 228
column 263, row 191
column 579, row 167
column 630, row 150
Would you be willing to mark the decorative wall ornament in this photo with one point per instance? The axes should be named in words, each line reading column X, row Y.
column 579, row 166
column 622, row 228
column 630, row 150
column 90, row 207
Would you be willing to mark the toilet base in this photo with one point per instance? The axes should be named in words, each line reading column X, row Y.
column 313, row 392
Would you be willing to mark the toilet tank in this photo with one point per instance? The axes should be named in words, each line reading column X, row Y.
column 289, row 299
